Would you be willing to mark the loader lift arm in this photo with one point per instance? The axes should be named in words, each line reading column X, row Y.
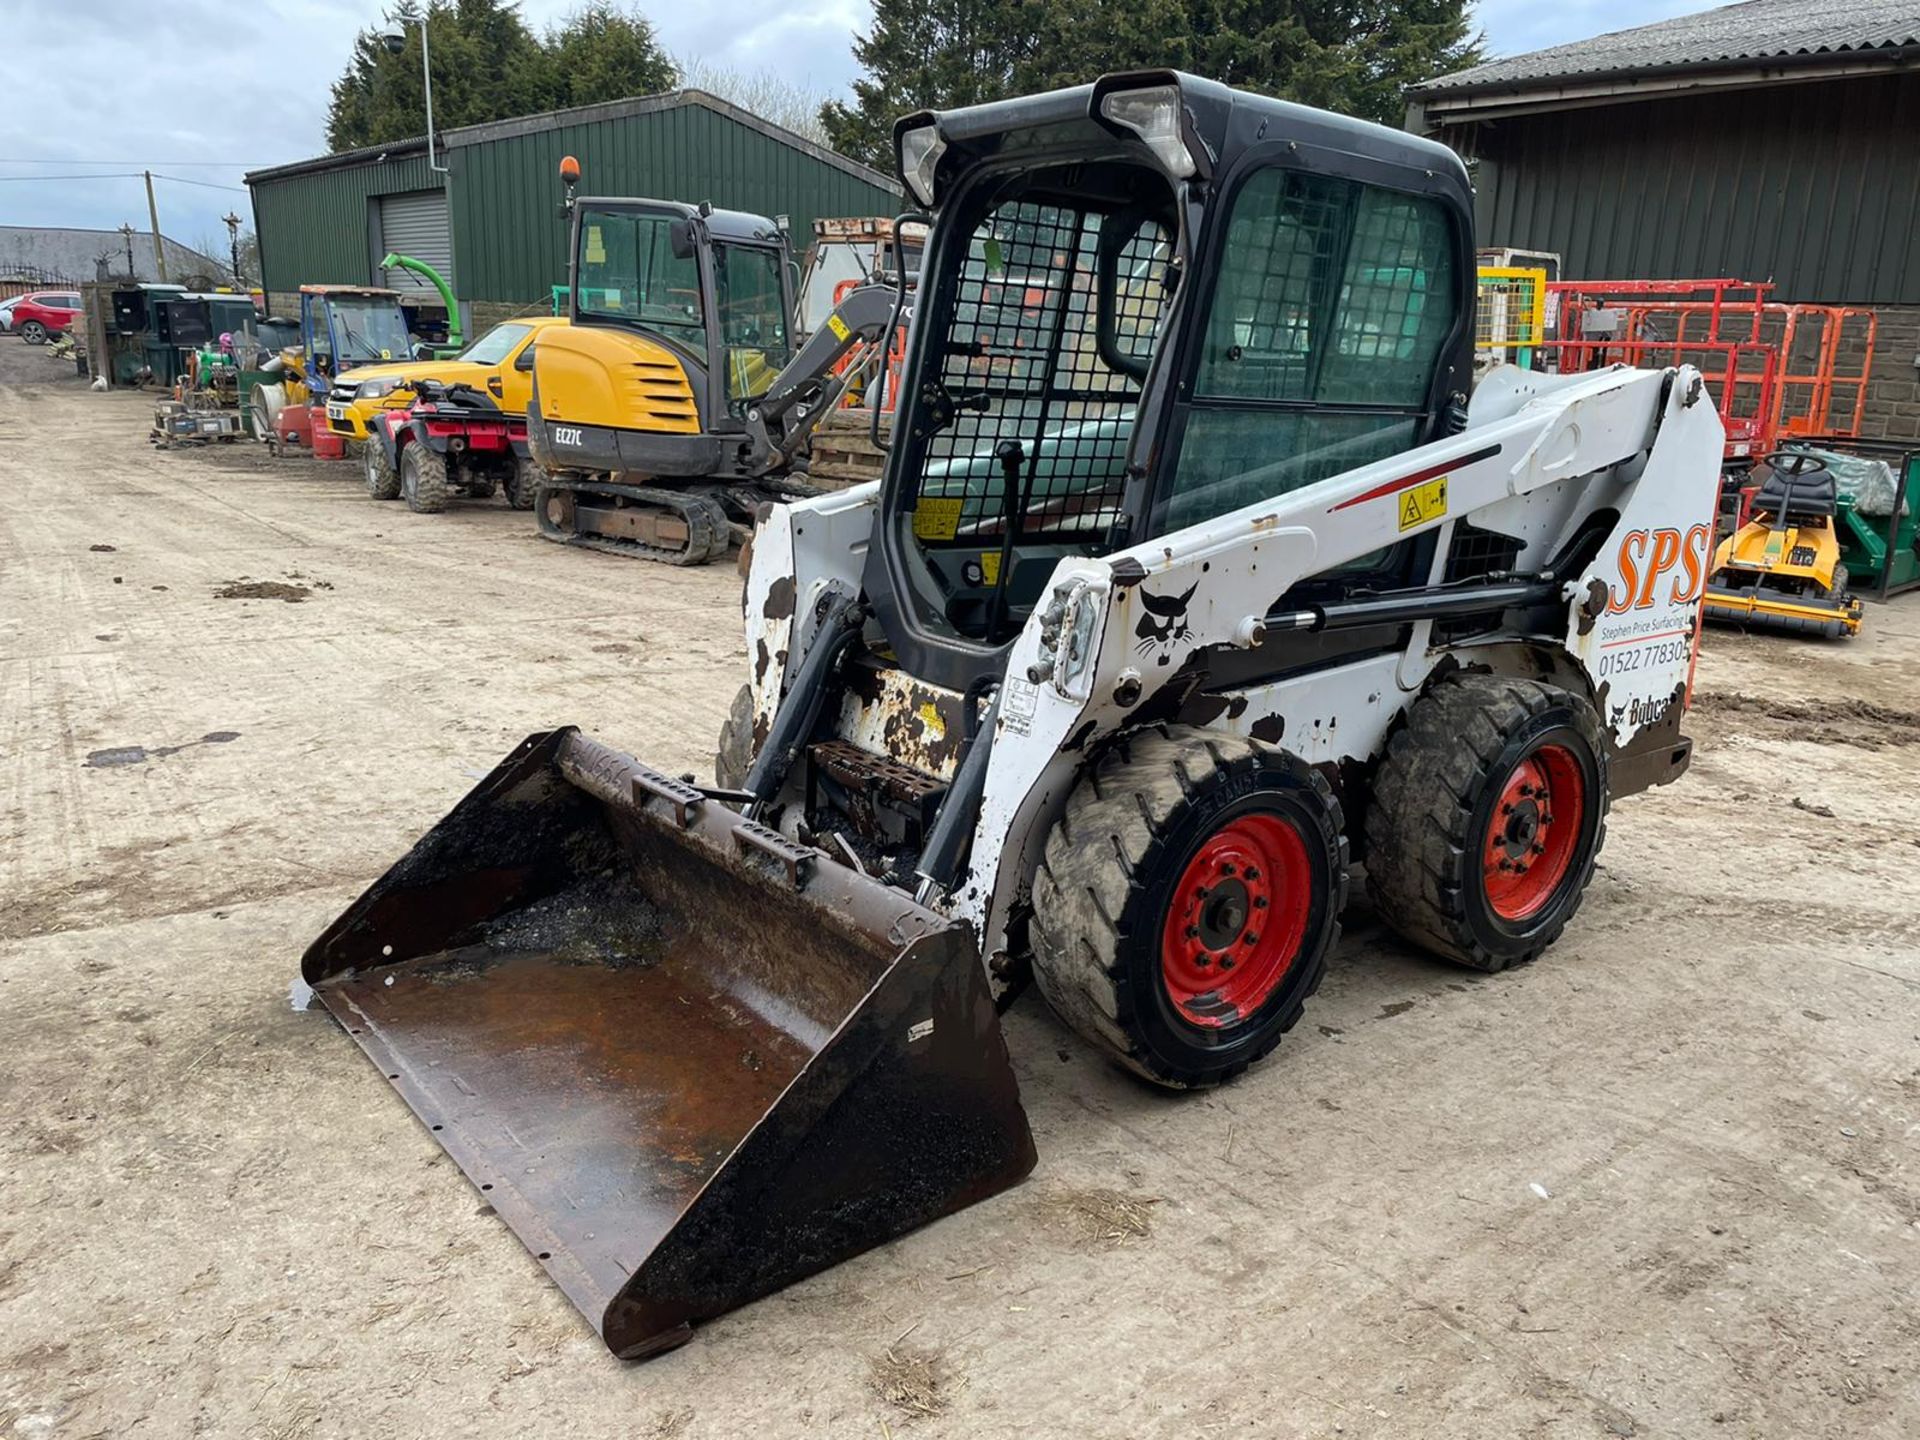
column 808, row 387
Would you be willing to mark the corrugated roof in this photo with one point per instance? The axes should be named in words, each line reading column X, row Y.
column 80, row 255
column 465, row 135
column 1756, row 31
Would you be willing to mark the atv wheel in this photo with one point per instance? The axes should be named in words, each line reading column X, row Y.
column 522, row 482
column 1186, row 902
column 737, row 745
column 383, row 481
column 423, row 479
column 34, row 333
column 1488, row 814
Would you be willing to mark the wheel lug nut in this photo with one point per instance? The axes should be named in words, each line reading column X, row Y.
column 1226, row 869
column 1192, row 931
column 1226, row 962
column 1249, row 938
column 1252, row 874
column 1505, row 864
column 1539, row 849
column 1259, row 902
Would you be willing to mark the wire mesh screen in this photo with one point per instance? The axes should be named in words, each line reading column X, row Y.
column 1510, row 314
column 1022, row 357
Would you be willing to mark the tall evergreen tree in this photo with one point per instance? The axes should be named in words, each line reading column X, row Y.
column 1353, row 56
column 487, row 65
column 603, row 52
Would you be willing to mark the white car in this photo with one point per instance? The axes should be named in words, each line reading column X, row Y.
column 6, row 315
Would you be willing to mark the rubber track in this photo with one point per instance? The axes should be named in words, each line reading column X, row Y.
column 1097, row 861
column 708, row 532
column 1420, row 849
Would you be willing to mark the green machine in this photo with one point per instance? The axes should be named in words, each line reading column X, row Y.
column 1877, row 513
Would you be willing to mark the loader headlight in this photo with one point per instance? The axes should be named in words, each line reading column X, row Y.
column 920, row 152
column 374, row 389
column 1153, row 114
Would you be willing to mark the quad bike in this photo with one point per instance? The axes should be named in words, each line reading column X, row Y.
column 1193, row 580
column 450, row 439
column 1781, row 568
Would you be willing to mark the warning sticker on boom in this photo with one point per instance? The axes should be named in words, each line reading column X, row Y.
column 936, row 519
column 1423, row 503
column 838, row 327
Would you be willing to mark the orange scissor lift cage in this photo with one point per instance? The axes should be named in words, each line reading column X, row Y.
column 1776, row 370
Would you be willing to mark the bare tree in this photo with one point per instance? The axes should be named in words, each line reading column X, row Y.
column 760, row 92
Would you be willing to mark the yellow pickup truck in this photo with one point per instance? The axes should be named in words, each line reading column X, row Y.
column 499, row 362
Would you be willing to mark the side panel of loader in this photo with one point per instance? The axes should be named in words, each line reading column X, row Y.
column 687, row 1061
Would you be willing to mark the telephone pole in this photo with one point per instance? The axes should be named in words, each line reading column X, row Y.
column 153, row 216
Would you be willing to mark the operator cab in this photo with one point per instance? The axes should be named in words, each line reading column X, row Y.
column 713, row 284
column 1150, row 302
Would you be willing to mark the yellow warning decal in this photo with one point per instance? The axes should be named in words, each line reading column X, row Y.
column 838, row 327
column 1423, row 503
column 990, row 567
column 937, row 519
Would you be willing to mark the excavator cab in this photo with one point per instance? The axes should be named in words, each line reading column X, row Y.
column 679, row 399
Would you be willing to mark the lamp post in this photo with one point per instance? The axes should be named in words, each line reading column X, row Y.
column 396, row 41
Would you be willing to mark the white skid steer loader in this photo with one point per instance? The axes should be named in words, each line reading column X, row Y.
column 1194, row 577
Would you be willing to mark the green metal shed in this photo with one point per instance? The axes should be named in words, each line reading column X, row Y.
column 496, row 201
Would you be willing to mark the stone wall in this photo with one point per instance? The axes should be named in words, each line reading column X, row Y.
column 1893, row 392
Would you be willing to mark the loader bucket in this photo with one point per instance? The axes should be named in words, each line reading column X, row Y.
column 687, row 1061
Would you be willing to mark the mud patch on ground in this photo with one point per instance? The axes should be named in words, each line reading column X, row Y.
column 1860, row 723
column 115, row 756
column 1099, row 1217
column 912, row 1381
column 244, row 589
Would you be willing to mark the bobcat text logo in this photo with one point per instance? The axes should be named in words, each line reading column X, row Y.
column 566, row 435
column 1645, row 558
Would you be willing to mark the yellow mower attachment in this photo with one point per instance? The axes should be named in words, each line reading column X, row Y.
column 1781, row 569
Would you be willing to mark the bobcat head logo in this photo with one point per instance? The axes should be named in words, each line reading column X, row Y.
column 1163, row 623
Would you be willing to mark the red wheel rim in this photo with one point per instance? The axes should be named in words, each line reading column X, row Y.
column 1236, row 920
column 1533, row 832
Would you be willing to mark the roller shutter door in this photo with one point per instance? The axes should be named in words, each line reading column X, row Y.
column 416, row 224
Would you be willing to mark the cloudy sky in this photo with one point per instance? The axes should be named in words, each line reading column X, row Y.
column 201, row 91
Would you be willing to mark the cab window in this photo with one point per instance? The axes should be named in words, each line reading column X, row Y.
column 1332, row 306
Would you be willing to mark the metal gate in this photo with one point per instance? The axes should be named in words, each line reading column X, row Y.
column 414, row 224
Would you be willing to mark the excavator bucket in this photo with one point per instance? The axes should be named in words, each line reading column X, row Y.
column 687, row 1060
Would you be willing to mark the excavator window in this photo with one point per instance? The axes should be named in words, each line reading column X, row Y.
column 1332, row 305
column 751, row 305
column 627, row 272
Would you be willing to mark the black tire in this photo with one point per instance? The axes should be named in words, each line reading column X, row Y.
column 1429, row 827
column 423, row 479
column 737, row 747
column 33, row 332
column 1838, row 583
column 383, row 481
column 1121, row 857
column 523, row 482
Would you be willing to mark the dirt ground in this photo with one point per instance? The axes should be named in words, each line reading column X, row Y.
column 1662, row 1183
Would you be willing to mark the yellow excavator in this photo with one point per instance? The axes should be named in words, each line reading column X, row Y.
column 679, row 399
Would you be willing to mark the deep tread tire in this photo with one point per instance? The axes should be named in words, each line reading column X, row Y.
column 1108, row 872
column 1432, row 802
column 736, row 752
column 423, row 479
column 523, row 482
column 383, row 481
